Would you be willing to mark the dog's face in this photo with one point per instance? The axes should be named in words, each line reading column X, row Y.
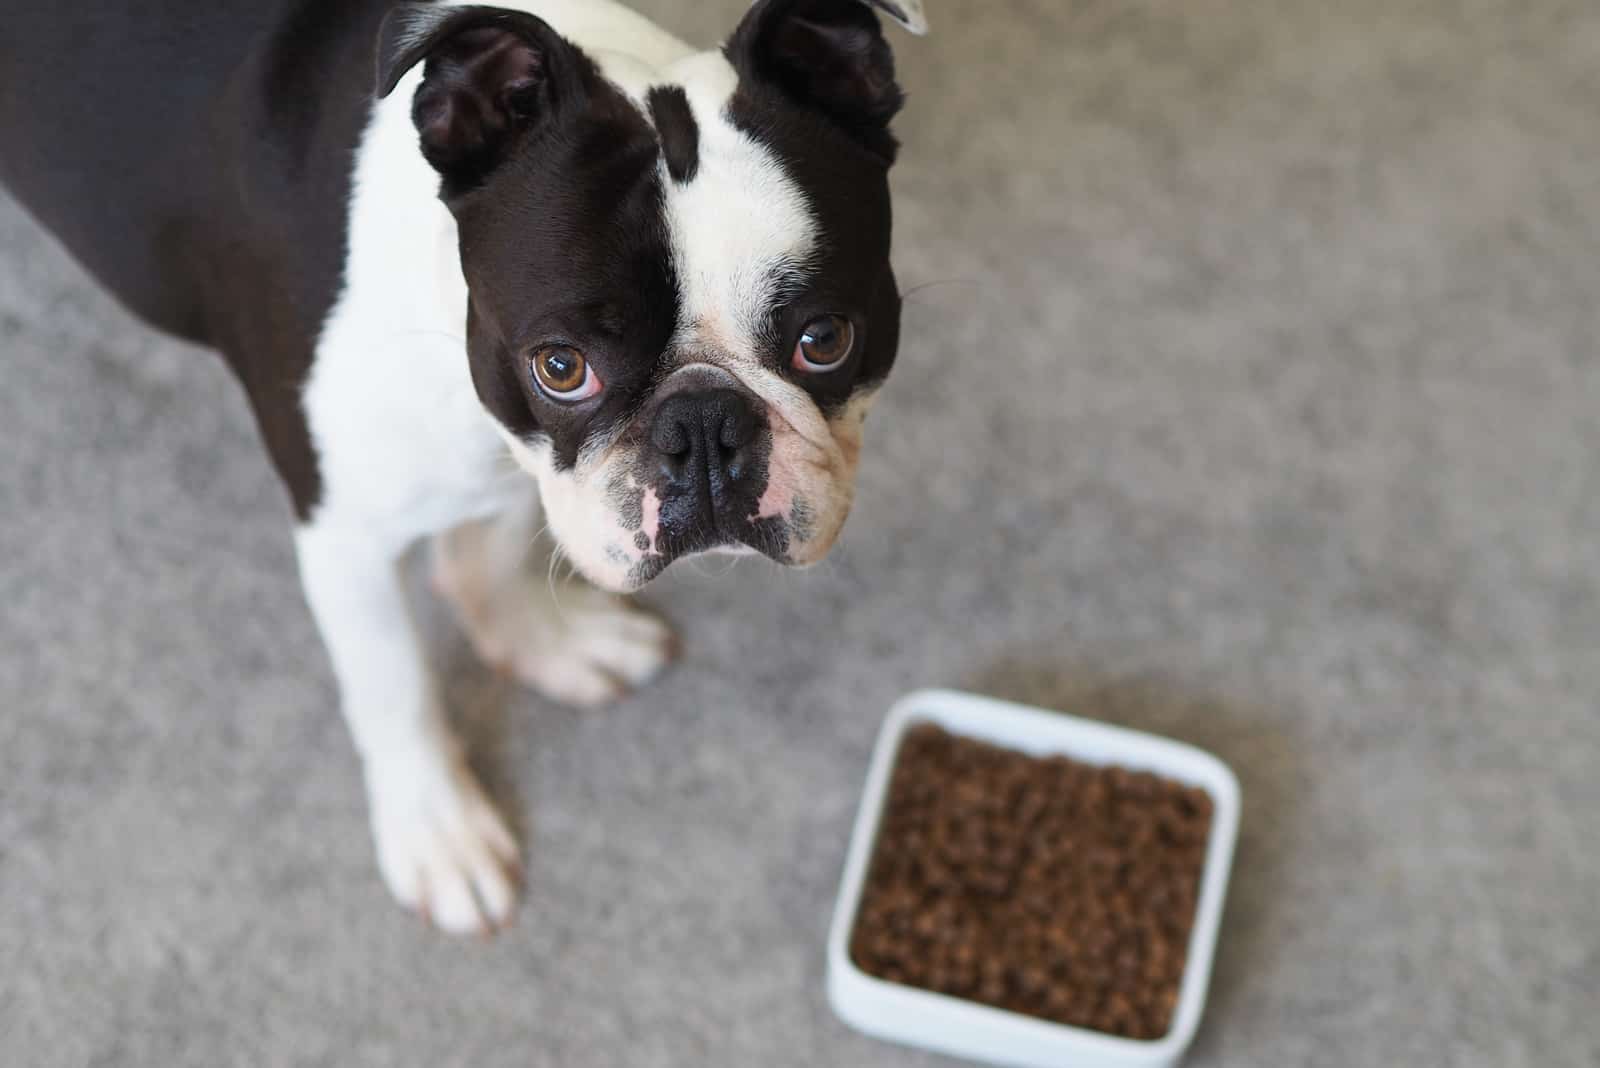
column 680, row 298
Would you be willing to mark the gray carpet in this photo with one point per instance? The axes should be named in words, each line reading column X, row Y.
column 1249, row 394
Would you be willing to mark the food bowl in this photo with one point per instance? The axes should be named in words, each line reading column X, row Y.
column 966, row 1028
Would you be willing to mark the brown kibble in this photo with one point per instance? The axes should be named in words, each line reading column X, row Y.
column 1042, row 886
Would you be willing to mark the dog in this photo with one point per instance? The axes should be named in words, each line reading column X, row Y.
column 482, row 270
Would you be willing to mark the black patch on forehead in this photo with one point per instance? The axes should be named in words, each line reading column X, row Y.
column 679, row 133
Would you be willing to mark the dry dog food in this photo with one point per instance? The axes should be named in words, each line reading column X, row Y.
column 1041, row 885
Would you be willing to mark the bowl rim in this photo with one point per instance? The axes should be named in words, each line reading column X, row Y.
column 1207, row 770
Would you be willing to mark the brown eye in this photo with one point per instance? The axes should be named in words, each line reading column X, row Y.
column 563, row 374
column 824, row 344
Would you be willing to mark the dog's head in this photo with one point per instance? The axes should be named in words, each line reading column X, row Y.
column 680, row 299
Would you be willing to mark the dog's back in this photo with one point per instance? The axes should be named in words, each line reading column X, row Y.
column 170, row 147
column 196, row 159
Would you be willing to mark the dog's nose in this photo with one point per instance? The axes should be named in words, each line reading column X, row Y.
column 701, row 439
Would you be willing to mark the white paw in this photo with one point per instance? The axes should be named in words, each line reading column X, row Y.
column 443, row 849
column 591, row 648
column 567, row 639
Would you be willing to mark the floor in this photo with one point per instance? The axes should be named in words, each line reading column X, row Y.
column 1249, row 393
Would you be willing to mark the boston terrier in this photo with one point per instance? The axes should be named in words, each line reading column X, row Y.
column 484, row 271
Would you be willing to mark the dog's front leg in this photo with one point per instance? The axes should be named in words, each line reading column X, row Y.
column 442, row 847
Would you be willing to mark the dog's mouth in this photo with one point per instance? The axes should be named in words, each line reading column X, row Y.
column 769, row 536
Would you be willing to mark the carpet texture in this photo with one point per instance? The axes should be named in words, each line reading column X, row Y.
column 1248, row 394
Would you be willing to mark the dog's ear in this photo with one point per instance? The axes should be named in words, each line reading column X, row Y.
column 831, row 56
column 489, row 76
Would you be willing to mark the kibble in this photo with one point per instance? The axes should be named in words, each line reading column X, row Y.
column 1044, row 886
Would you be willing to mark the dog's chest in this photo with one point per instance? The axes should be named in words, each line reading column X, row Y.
column 409, row 448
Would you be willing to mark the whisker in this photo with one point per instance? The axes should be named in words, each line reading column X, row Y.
column 550, row 579
column 936, row 284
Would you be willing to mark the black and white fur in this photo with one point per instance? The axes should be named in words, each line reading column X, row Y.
column 376, row 267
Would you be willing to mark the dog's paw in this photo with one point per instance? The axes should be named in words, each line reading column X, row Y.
column 581, row 647
column 568, row 640
column 444, row 850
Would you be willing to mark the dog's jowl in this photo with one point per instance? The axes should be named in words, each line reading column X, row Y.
column 483, row 270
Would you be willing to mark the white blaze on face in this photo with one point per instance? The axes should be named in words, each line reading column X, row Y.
column 738, row 229
column 742, row 231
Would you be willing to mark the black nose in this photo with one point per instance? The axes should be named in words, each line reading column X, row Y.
column 702, row 440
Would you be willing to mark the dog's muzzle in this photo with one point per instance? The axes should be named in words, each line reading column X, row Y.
column 709, row 449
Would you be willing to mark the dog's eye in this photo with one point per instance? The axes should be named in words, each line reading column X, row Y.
column 824, row 344
column 563, row 374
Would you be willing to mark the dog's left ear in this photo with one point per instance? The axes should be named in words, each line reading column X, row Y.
column 490, row 76
column 831, row 56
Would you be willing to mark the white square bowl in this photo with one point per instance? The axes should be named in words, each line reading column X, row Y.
column 980, row 1032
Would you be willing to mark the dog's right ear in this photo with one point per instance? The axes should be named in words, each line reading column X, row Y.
column 489, row 77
